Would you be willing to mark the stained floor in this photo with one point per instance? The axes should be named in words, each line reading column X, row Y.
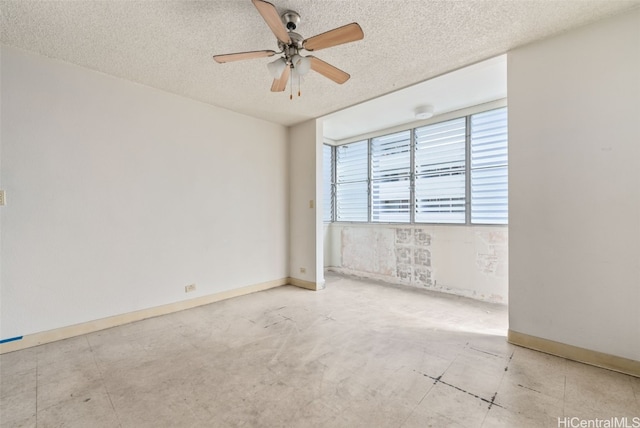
column 357, row 354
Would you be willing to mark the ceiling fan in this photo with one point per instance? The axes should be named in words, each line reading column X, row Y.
column 292, row 64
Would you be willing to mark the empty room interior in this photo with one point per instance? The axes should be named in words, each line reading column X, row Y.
column 320, row 214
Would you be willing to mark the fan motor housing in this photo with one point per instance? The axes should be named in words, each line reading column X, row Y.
column 296, row 43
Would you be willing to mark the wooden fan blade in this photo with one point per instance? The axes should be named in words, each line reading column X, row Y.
column 328, row 70
column 242, row 55
column 348, row 33
column 272, row 18
column 280, row 84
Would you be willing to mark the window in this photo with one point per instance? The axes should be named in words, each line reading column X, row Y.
column 489, row 189
column 390, row 177
column 352, row 182
column 451, row 172
column 327, row 183
column 440, row 172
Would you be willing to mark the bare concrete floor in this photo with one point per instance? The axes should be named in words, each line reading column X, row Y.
column 357, row 354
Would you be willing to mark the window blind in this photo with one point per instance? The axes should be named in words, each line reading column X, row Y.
column 489, row 170
column 390, row 174
column 440, row 172
column 352, row 175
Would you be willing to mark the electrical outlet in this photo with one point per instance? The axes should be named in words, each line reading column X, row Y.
column 2, row 197
column 189, row 288
column 311, row 203
column 303, row 270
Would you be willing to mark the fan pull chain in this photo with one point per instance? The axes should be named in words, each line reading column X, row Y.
column 299, row 85
column 291, row 84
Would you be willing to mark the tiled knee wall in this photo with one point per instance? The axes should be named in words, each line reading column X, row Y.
column 463, row 260
column 413, row 256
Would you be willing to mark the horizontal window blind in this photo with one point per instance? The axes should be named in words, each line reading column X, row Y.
column 390, row 174
column 489, row 170
column 352, row 201
column 440, row 172
column 352, row 162
column 390, row 200
column 391, row 156
column 352, row 188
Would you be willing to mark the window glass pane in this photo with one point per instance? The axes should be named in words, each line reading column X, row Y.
column 489, row 196
column 489, row 159
column 327, row 178
column 352, row 175
column 440, row 146
column 390, row 172
column 352, row 162
column 390, row 200
column 440, row 172
column 440, row 198
column 391, row 156
column 352, row 201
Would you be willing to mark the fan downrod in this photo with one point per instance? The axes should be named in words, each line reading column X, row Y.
column 290, row 19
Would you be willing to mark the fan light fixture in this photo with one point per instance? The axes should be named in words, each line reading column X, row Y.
column 424, row 112
column 277, row 67
column 301, row 64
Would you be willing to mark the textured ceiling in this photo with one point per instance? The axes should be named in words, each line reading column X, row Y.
column 169, row 44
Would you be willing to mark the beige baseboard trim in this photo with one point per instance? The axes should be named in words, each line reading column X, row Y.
column 303, row 284
column 89, row 327
column 587, row 356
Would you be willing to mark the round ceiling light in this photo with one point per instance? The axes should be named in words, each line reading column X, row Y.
column 424, row 111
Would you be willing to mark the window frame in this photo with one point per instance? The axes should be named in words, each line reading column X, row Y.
column 467, row 170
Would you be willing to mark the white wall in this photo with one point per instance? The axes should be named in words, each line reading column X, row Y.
column 470, row 261
column 329, row 251
column 119, row 195
column 574, row 187
column 305, row 203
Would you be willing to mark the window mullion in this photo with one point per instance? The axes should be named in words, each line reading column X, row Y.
column 334, row 202
column 412, row 178
column 467, row 170
column 369, row 182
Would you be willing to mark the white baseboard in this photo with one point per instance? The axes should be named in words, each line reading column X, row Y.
column 304, row 284
column 114, row 321
column 587, row 356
